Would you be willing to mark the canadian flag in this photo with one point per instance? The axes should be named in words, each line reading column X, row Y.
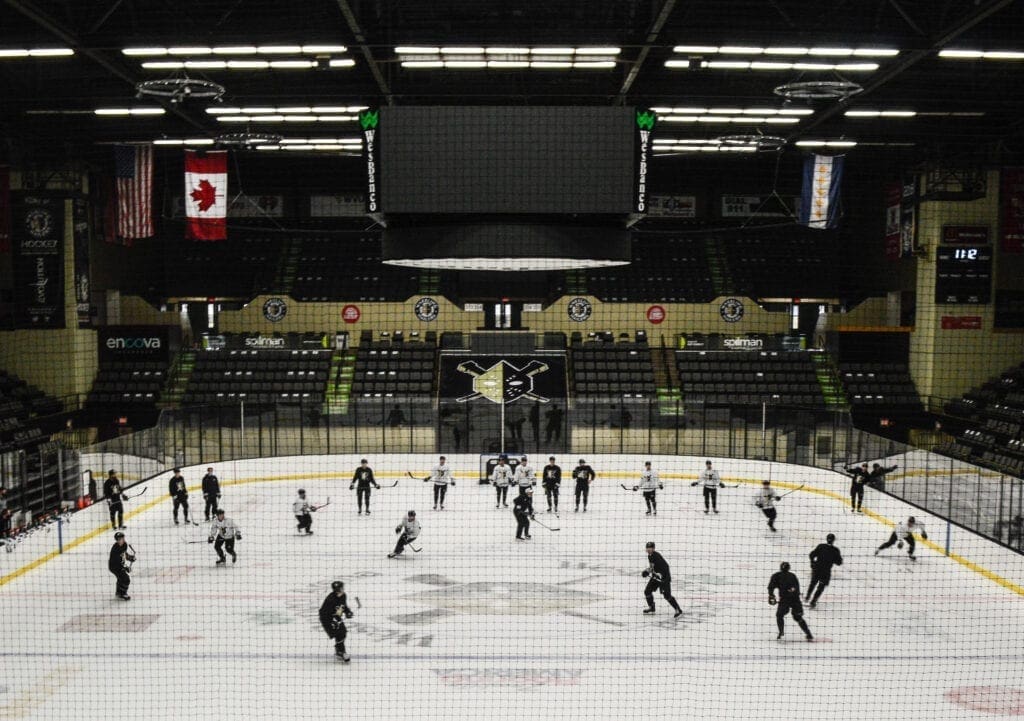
column 206, row 195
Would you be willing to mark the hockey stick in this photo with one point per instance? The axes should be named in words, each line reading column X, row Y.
column 322, row 505
column 625, row 488
column 128, row 498
column 358, row 603
column 793, row 491
column 543, row 525
column 414, row 549
column 191, row 542
column 409, row 473
column 391, row 486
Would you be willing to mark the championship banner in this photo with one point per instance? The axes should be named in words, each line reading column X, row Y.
column 908, row 215
column 1011, row 210
column 5, row 209
column 369, row 122
column 38, row 260
column 206, row 195
column 80, row 228
column 893, row 196
column 819, row 200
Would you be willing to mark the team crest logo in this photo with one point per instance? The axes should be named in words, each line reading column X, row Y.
column 39, row 223
column 427, row 309
column 275, row 309
column 731, row 310
column 579, row 309
column 502, row 382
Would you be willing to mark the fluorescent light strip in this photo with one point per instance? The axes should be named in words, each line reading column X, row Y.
column 793, row 51
column 194, row 51
column 283, row 118
column 982, row 54
column 15, row 53
column 826, row 143
column 129, row 111
column 242, row 64
column 186, row 141
column 880, row 113
column 736, row 119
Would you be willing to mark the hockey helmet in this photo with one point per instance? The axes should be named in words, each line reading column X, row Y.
column 830, row 537
column 650, row 544
column 118, row 536
column 766, row 482
column 302, row 491
column 784, row 566
column 219, row 512
column 582, row 462
column 412, row 514
column 337, row 586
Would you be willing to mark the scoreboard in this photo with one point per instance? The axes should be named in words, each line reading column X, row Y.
column 963, row 275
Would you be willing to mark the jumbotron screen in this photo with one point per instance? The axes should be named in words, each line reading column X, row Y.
column 506, row 159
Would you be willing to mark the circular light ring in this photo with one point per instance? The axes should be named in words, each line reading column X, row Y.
column 178, row 89
column 248, row 140
column 819, row 90
column 761, row 142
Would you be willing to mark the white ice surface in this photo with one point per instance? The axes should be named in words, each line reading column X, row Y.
column 479, row 626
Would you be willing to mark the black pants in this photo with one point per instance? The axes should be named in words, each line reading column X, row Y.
column 770, row 514
column 363, row 494
column 710, row 496
column 500, row 495
column 552, row 495
column 305, row 522
column 909, row 538
column 787, row 605
column 335, row 628
column 403, row 541
column 180, row 502
column 819, row 579
column 666, row 591
column 222, row 543
column 439, row 493
column 123, row 581
column 856, row 495
column 651, row 500
column 211, row 504
column 117, row 514
column 522, row 524
column 584, row 490
column 553, row 432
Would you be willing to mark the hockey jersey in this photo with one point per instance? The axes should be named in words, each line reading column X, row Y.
column 301, row 506
column 112, row 490
column 905, row 529
column 501, row 476
column 825, row 556
column 524, row 475
column 766, row 497
column 649, row 481
column 176, row 487
column 410, row 527
column 364, row 477
column 709, row 478
column 552, row 476
column 224, row 529
column 442, row 475
column 658, row 568
column 583, row 474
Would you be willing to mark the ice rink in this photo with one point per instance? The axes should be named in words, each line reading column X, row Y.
column 480, row 626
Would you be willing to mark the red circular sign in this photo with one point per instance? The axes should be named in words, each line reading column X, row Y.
column 655, row 314
column 350, row 313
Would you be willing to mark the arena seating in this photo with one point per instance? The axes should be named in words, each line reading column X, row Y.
column 749, row 378
column 348, row 267
column 19, row 404
column 994, row 436
column 663, row 269
column 612, row 370
column 880, row 386
column 772, row 263
column 258, row 376
column 129, row 383
column 385, row 369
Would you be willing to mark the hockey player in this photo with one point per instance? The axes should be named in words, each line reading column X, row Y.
column 115, row 499
column 858, row 477
column 583, row 475
column 789, row 600
column 765, row 500
column 524, row 476
column 878, row 473
column 711, row 482
column 904, row 531
column 823, row 558
column 179, row 494
column 302, row 510
column 649, row 484
column 223, row 534
column 661, row 578
column 409, row 529
column 211, row 492
column 441, row 476
column 120, row 565
column 552, row 479
column 362, row 479
column 522, row 509
column 501, row 476
column 333, row 612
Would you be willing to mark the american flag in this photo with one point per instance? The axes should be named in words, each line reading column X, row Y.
column 134, row 172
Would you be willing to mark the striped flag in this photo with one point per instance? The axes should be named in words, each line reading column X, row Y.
column 133, row 171
column 819, row 202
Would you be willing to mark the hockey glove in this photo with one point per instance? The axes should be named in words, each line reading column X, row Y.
column 772, row 601
column 238, row 536
column 721, row 485
column 636, row 488
column 661, row 486
column 352, row 487
column 209, row 540
column 453, row 483
column 899, row 545
column 694, row 483
column 398, row 530
column 130, row 558
column 924, row 535
column 348, row 613
column 645, row 574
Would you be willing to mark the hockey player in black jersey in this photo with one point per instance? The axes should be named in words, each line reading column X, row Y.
column 583, row 475
column 789, row 600
column 179, row 494
column 362, row 480
column 552, row 479
column 211, row 492
column 878, row 473
column 119, row 564
column 859, row 475
column 522, row 509
column 112, row 491
column 333, row 612
column 660, row 578
column 823, row 557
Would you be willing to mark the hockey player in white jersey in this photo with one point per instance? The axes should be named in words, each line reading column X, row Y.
column 524, row 477
column 711, row 482
column 441, row 475
column 302, row 509
column 650, row 482
column 223, row 534
column 408, row 529
column 765, row 500
column 501, row 477
column 905, row 531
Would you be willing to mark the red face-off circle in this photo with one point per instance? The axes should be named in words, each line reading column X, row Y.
column 1002, row 700
column 655, row 314
column 350, row 313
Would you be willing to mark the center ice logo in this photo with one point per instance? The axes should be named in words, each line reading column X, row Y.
column 503, row 382
column 496, row 599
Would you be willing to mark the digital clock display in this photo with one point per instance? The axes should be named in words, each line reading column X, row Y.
column 963, row 275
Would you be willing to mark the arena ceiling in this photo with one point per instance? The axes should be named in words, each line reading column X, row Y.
column 939, row 78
